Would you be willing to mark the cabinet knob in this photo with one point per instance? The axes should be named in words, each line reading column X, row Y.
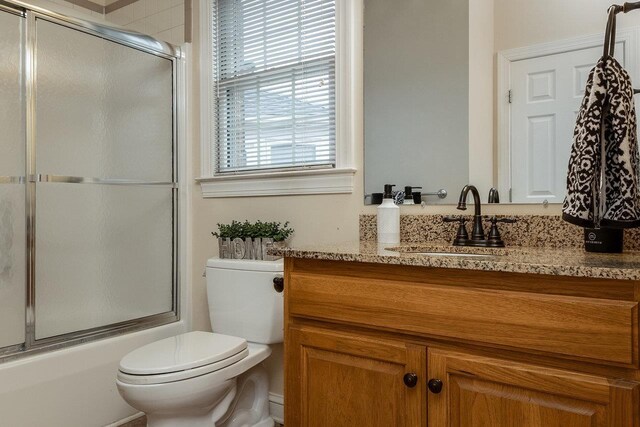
column 278, row 284
column 410, row 379
column 435, row 385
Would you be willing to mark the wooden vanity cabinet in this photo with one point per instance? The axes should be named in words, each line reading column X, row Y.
column 493, row 392
column 344, row 379
column 376, row 345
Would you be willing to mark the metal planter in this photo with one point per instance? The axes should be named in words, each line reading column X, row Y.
column 247, row 248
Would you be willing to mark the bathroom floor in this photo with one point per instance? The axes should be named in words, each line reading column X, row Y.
column 142, row 422
column 138, row 422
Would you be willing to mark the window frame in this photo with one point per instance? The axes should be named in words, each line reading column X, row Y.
column 337, row 180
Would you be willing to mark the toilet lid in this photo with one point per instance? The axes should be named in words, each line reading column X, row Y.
column 182, row 352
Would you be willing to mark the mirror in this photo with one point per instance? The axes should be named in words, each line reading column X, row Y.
column 412, row 87
column 483, row 92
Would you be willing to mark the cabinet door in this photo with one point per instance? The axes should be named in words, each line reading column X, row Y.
column 342, row 379
column 478, row 391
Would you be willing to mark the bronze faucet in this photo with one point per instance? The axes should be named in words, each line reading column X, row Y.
column 477, row 235
column 478, row 232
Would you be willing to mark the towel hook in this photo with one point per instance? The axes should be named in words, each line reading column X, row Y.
column 625, row 8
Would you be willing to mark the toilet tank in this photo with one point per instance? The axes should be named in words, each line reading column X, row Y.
column 243, row 301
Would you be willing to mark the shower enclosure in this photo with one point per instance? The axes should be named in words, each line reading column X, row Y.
column 88, row 181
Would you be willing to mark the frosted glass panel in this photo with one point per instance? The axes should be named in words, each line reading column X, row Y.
column 105, row 255
column 12, row 196
column 12, row 144
column 104, row 110
column 12, row 264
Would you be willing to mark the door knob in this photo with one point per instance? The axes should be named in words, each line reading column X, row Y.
column 435, row 385
column 410, row 379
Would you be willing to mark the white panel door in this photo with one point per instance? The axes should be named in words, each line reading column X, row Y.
column 546, row 96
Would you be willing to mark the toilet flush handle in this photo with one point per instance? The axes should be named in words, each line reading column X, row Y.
column 278, row 284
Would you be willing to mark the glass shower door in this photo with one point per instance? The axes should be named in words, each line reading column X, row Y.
column 12, row 187
column 105, row 210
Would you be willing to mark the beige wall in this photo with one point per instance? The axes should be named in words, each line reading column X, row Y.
column 525, row 22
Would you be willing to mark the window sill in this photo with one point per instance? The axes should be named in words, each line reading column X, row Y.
column 288, row 183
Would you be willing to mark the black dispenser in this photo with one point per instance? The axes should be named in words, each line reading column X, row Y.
column 408, row 195
column 388, row 191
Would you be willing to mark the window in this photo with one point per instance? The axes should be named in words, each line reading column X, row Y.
column 275, row 93
column 280, row 96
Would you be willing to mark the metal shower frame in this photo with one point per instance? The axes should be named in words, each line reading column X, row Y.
column 130, row 39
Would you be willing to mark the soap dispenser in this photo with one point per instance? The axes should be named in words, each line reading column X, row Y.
column 388, row 218
column 408, row 195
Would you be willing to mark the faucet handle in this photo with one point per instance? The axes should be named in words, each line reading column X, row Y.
column 494, row 239
column 462, row 235
column 460, row 219
column 495, row 220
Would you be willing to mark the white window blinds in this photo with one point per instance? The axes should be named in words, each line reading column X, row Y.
column 275, row 85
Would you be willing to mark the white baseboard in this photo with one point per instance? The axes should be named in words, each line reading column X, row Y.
column 126, row 420
column 276, row 407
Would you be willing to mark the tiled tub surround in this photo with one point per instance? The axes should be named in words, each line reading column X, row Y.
column 163, row 19
column 531, row 231
column 166, row 20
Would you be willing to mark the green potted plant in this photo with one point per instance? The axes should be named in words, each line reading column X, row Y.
column 250, row 240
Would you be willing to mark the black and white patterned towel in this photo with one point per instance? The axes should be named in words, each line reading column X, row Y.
column 607, row 112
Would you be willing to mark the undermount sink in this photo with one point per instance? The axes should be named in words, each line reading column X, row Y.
column 453, row 254
column 446, row 252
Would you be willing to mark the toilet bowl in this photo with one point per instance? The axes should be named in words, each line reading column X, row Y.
column 212, row 378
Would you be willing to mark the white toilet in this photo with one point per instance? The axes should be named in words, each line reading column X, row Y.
column 210, row 379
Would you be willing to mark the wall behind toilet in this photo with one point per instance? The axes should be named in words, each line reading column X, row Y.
column 315, row 218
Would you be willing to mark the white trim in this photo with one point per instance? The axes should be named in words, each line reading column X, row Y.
column 206, row 100
column 566, row 45
column 348, row 109
column 321, row 181
column 348, row 78
column 276, row 407
column 628, row 36
column 185, row 177
column 504, row 126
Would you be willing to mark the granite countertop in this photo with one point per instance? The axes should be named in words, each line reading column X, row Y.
column 562, row 262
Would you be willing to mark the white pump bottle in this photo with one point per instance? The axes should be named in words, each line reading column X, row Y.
column 388, row 218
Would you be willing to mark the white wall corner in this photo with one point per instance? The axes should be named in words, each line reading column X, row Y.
column 481, row 86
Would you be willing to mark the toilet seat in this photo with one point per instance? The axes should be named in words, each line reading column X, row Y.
column 181, row 357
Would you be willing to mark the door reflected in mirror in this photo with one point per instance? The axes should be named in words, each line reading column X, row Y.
column 483, row 92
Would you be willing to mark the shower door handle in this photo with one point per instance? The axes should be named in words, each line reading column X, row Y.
column 66, row 179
